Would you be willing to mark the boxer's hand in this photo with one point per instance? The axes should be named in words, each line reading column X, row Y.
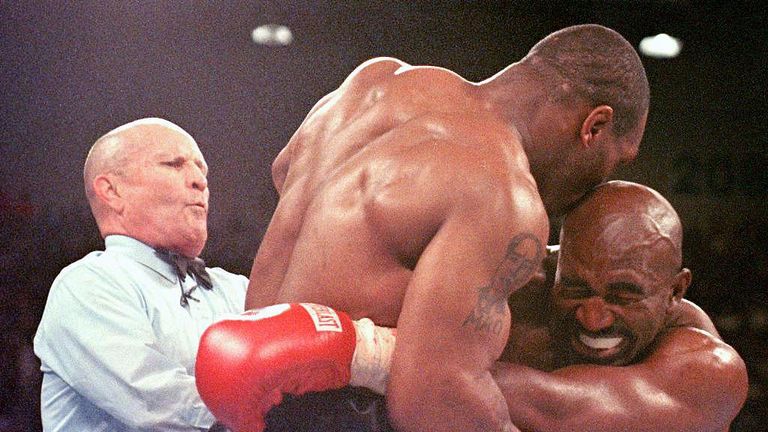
column 245, row 364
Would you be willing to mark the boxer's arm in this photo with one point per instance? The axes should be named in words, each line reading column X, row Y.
column 454, row 320
column 691, row 382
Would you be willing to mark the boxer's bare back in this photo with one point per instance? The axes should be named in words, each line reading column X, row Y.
column 366, row 179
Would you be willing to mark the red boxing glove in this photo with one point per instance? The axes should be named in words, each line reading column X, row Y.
column 245, row 364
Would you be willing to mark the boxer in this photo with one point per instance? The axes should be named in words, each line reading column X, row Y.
column 611, row 345
column 420, row 200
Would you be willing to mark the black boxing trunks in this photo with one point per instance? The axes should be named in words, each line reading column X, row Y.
column 350, row 409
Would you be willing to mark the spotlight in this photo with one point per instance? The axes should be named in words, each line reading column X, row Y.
column 661, row 46
column 272, row 35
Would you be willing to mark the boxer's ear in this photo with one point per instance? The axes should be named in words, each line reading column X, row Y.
column 680, row 284
column 105, row 186
column 595, row 124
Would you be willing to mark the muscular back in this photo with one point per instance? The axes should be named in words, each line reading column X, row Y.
column 368, row 179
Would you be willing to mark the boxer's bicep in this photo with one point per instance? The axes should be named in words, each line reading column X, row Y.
column 470, row 241
column 588, row 397
column 439, row 362
column 690, row 382
column 701, row 374
column 455, row 321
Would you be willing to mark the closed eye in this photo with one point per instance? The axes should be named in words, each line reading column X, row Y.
column 176, row 163
column 621, row 299
column 623, row 293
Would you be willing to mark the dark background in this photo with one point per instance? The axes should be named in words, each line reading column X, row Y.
column 71, row 72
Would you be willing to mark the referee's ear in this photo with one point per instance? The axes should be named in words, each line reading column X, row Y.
column 107, row 189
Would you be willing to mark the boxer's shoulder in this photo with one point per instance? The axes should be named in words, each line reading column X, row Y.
column 387, row 76
column 691, row 344
column 699, row 356
column 392, row 67
column 380, row 65
column 690, row 315
column 374, row 72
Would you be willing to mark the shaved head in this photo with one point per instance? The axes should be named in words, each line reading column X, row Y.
column 619, row 276
column 111, row 152
column 628, row 221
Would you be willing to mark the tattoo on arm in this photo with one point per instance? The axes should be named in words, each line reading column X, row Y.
column 524, row 254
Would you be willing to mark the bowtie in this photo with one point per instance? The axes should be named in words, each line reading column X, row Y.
column 183, row 266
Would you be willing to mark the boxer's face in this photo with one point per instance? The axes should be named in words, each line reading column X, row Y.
column 166, row 192
column 610, row 296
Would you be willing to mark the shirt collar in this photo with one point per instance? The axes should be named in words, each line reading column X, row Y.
column 140, row 252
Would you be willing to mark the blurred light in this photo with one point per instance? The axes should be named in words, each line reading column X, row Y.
column 272, row 35
column 661, row 46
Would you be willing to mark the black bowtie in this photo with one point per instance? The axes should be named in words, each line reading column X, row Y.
column 183, row 266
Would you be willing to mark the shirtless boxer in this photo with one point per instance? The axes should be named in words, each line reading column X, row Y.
column 612, row 345
column 618, row 300
column 420, row 200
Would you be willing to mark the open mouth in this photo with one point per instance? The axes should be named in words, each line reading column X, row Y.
column 600, row 349
column 600, row 343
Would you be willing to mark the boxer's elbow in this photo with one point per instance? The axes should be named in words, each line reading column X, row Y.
column 406, row 400
column 411, row 415
column 440, row 400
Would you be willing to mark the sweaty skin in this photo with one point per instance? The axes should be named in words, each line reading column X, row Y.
column 611, row 345
column 406, row 199
column 418, row 199
column 687, row 380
